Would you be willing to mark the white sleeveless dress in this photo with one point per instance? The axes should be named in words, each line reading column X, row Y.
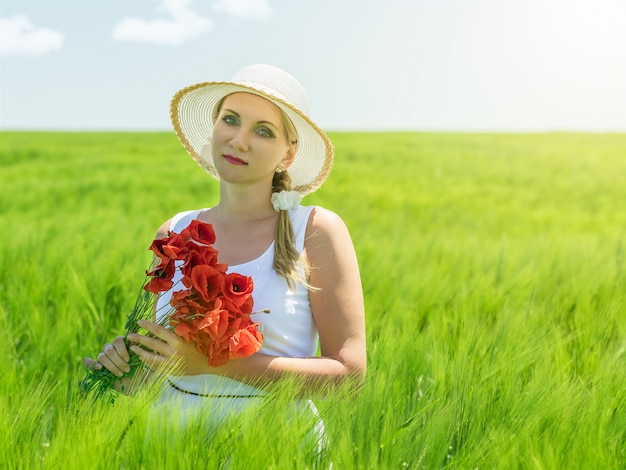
column 288, row 330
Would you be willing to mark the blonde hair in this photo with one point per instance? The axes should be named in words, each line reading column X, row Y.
column 287, row 260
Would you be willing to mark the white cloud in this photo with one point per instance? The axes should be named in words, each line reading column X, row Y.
column 185, row 24
column 246, row 9
column 18, row 36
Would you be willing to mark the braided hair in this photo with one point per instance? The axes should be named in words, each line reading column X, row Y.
column 286, row 257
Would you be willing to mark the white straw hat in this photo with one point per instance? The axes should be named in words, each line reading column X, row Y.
column 191, row 111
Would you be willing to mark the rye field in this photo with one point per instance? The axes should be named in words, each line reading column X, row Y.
column 493, row 267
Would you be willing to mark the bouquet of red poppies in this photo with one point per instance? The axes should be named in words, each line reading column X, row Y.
column 211, row 310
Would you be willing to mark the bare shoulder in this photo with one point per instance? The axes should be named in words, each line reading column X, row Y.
column 327, row 237
column 163, row 230
column 325, row 223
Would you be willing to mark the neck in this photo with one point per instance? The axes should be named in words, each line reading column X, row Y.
column 245, row 203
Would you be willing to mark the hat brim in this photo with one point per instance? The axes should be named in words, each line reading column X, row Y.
column 191, row 112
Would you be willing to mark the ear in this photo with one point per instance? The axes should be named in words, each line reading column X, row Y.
column 289, row 157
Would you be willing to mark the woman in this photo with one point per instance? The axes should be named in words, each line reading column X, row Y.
column 254, row 135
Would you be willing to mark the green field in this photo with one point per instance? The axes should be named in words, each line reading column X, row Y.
column 494, row 278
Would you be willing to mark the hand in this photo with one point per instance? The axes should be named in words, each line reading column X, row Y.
column 113, row 357
column 167, row 351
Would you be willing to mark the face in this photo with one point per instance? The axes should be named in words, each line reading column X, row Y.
column 249, row 139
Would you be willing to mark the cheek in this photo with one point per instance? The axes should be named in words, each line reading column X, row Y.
column 217, row 140
column 273, row 155
column 219, row 133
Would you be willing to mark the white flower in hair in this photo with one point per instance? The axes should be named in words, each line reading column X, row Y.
column 286, row 200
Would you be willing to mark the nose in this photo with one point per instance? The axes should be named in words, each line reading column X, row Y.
column 239, row 141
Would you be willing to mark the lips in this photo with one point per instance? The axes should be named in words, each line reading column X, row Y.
column 234, row 160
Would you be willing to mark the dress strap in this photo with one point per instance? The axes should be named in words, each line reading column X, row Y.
column 182, row 219
column 299, row 220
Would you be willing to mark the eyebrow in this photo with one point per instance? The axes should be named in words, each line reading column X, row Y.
column 232, row 111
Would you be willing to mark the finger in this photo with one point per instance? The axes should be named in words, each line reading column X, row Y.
column 89, row 363
column 165, row 363
column 110, row 365
column 154, row 344
column 152, row 360
column 158, row 331
column 120, row 348
column 112, row 361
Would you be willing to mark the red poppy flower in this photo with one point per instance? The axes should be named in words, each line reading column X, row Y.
column 215, row 322
column 216, row 351
column 186, row 305
column 243, row 310
column 206, row 280
column 157, row 248
column 238, row 288
column 245, row 342
column 175, row 247
column 199, row 232
column 165, row 269
column 203, row 343
column 218, row 354
column 161, row 278
column 157, row 284
column 187, row 330
column 197, row 255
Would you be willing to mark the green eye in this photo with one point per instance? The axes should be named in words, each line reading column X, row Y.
column 265, row 132
column 230, row 120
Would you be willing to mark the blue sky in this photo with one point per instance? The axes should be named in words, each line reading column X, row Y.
column 453, row 65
